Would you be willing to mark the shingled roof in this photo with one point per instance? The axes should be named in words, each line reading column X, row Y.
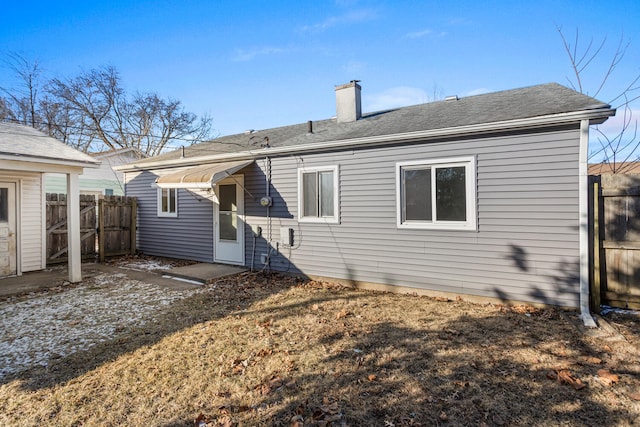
column 19, row 142
column 525, row 103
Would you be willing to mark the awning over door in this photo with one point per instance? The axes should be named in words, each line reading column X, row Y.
column 205, row 176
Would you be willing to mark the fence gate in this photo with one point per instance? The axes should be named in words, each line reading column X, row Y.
column 616, row 240
column 107, row 227
column 117, row 226
column 57, row 227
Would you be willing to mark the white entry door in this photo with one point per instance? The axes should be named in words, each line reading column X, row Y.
column 229, row 221
column 7, row 229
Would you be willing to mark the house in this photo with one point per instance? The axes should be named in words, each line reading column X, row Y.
column 102, row 181
column 25, row 156
column 483, row 196
column 610, row 168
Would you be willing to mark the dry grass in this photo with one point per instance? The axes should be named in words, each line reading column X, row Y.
column 260, row 350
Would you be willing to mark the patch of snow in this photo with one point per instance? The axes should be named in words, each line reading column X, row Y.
column 46, row 326
column 605, row 309
column 147, row 265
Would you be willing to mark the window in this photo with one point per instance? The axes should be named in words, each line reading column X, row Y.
column 168, row 202
column 108, row 191
column 4, row 204
column 439, row 194
column 318, row 194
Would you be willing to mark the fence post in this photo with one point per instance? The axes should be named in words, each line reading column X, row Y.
column 101, row 232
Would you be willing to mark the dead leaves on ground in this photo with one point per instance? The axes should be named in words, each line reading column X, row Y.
column 342, row 314
column 273, row 384
column 238, row 366
column 564, row 376
column 607, row 378
column 574, row 368
column 323, row 415
column 590, row 360
column 327, row 414
column 205, row 421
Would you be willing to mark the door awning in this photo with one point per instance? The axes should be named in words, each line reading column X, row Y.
column 204, row 176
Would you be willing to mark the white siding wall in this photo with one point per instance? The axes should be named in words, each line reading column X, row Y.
column 29, row 195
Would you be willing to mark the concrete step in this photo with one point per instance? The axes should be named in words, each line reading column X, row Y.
column 204, row 272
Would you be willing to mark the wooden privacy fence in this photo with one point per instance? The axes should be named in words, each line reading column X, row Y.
column 116, row 226
column 615, row 228
column 107, row 227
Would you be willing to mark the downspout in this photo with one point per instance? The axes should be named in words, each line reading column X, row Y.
column 267, row 266
column 583, row 198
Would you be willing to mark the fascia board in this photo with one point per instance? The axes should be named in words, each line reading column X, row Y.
column 48, row 161
column 27, row 164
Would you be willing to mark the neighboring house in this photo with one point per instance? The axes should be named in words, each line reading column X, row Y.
column 623, row 168
column 103, row 180
column 483, row 195
column 25, row 156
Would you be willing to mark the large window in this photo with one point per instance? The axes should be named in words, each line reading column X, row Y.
column 318, row 194
column 437, row 194
column 168, row 202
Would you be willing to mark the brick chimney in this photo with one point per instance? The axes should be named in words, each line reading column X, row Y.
column 348, row 107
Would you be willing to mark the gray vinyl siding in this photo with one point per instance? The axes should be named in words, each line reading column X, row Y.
column 188, row 236
column 526, row 247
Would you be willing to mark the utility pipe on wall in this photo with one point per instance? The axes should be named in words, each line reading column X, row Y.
column 268, row 194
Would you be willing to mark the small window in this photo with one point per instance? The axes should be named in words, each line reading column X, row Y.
column 4, row 204
column 437, row 194
column 108, row 191
column 318, row 194
column 168, row 202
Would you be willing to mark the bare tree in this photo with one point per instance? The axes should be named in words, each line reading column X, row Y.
column 61, row 122
column 616, row 150
column 92, row 112
column 5, row 110
column 90, row 105
column 21, row 102
column 155, row 122
column 101, row 116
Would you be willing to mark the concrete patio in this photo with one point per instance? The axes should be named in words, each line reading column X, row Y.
column 177, row 278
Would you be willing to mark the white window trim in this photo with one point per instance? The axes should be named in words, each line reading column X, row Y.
column 471, row 182
column 335, row 219
column 159, row 200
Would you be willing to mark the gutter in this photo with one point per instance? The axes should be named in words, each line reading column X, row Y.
column 583, row 200
column 49, row 160
column 596, row 115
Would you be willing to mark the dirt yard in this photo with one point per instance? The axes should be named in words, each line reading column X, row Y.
column 270, row 350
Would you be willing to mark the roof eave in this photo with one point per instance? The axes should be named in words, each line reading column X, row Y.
column 46, row 160
column 595, row 116
column 118, row 151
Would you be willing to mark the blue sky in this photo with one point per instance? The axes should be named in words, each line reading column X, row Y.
column 256, row 64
